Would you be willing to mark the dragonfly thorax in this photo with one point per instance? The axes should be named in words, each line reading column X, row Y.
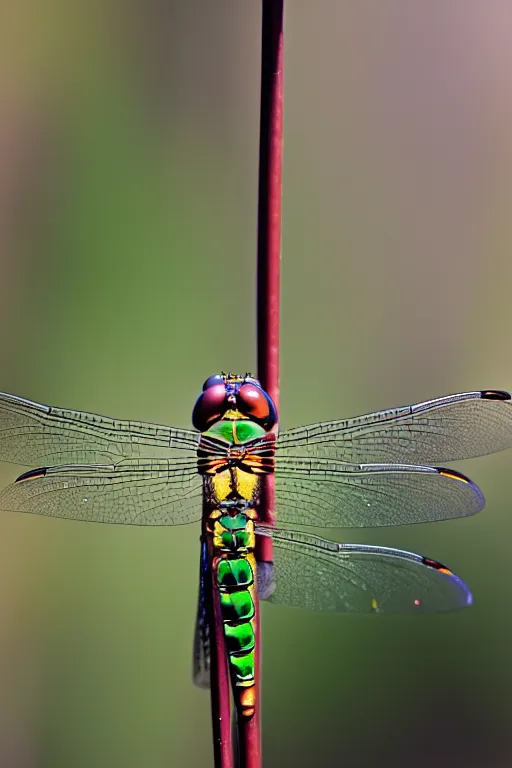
column 236, row 445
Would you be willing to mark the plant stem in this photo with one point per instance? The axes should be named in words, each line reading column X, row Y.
column 269, row 226
column 268, row 304
column 269, row 196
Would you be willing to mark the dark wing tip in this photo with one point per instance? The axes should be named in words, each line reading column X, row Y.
column 458, row 476
column 437, row 566
column 440, row 568
column 455, row 475
column 495, row 394
column 32, row 474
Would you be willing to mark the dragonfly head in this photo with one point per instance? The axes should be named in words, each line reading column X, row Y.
column 226, row 395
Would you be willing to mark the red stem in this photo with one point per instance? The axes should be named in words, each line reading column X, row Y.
column 269, row 226
column 269, row 196
column 269, row 267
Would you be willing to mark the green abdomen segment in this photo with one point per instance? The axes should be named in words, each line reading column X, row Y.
column 236, row 582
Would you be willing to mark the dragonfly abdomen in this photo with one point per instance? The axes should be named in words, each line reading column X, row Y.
column 235, row 567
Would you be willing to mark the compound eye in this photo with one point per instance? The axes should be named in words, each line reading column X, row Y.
column 210, row 406
column 271, row 419
column 252, row 402
column 252, row 380
column 212, row 381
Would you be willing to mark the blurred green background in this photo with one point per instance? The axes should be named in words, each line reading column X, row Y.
column 128, row 182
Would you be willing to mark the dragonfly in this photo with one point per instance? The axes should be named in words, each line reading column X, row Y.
column 380, row 469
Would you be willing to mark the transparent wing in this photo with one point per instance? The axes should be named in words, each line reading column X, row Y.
column 446, row 429
column 322, row 575
column 324, row 493
column 133, row 492
column 31, row 433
